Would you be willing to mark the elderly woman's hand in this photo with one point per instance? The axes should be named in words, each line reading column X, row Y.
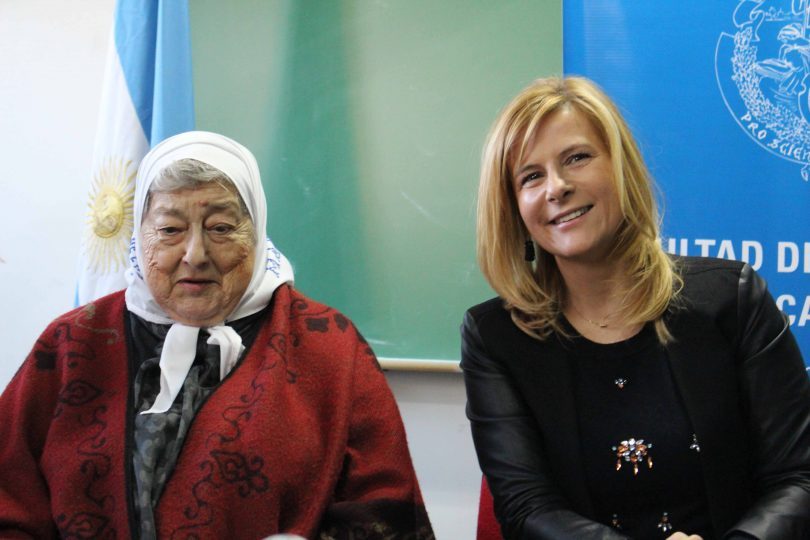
column 683, row 536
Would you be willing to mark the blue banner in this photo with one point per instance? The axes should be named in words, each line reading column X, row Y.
column 718, row 95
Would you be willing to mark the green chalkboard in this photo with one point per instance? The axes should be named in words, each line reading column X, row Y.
column 367, row 120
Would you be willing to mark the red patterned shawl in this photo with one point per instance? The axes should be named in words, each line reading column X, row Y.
column 302, row 436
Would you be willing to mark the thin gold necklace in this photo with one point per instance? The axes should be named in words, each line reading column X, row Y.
column 603, row 324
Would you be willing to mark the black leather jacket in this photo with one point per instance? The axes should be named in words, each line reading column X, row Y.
column 744, row 387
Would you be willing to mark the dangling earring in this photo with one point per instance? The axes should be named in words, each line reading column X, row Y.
column 529, row 253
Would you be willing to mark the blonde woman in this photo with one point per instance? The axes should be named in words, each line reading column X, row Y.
column 615, row 391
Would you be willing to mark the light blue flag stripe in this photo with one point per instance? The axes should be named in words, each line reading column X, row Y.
column 153, row 43
column 173, row 110
column 135, row 30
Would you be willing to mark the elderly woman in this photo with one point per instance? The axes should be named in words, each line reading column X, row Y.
column 209, row 400
column 615, row 391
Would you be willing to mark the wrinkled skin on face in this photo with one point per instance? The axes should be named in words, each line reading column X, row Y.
column 198, row 251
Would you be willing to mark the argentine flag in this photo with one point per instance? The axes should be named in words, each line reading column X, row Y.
column 147, row 97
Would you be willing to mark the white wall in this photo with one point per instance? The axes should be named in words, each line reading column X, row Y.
column 52, row 57
column 52, row 64
column 432, row 406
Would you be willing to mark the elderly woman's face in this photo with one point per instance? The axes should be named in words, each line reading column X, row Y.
column 198, row 252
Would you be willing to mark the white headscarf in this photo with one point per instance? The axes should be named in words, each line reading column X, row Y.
column 270, row 269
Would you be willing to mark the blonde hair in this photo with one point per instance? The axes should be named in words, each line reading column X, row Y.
column 535, row 293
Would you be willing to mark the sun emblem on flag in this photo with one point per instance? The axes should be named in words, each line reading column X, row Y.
column 109, row 217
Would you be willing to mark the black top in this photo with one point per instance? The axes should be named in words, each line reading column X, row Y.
column 639, row 450
column 158, row 437
column 741, row 380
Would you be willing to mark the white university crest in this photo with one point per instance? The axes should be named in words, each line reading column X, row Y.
column 763, row 71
